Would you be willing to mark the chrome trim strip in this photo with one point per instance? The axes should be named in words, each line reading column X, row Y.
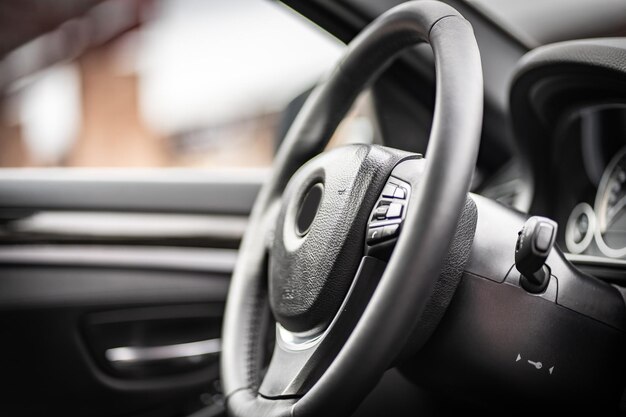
column 128, row 225
column 184, row 259
column 570, row 242
column 135, row 355
column 295, row 341
column 595, row 260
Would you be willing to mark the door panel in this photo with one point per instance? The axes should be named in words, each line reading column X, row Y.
column 58, row 321
column 70, row 308
column 113, row 280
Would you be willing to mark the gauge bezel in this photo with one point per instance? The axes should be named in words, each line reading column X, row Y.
column 600, row 208
column 572, row 245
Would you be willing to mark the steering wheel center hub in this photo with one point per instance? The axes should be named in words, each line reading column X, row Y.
column 320, row 232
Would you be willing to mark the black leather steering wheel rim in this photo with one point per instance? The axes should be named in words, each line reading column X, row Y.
column 431, row 219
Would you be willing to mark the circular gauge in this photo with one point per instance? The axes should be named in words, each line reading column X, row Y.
column 610, row 208
column 580, row 227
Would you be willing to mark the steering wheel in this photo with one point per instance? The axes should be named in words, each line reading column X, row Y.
column 342, row 314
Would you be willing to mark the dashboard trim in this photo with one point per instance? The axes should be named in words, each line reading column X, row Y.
column 176, row 259
column 595, row 260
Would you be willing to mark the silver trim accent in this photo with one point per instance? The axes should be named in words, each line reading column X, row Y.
column 129, row 225
column 135, row 355
column 296, row 341
column 187, row 259
column 595, row 260
column 302, row 341
column 572, row 245
column 600, row 206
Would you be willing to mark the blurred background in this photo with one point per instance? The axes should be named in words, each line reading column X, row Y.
column 134, row 137
column 196, row 83
column 143, row 83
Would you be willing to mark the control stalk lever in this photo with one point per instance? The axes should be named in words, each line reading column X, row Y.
column 534, row 243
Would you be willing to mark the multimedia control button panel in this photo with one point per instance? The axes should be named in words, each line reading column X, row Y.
column 388, row 214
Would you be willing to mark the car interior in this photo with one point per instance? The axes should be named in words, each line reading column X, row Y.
column 312, row 208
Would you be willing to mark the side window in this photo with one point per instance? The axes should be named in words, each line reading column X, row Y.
column 199, row 83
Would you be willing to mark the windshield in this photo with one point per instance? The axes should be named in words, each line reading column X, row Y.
column 539, row 22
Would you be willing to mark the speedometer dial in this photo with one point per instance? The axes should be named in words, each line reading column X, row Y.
column 610, row 208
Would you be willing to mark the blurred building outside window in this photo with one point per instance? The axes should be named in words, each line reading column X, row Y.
column 199, row 83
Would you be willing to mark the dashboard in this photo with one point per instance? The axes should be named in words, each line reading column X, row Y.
column 589, row 186
column 568, row 113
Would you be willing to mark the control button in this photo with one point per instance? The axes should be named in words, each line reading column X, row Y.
column 400, row 193
column 395, row 211
column 389, row 190
column 381, row 212
column 391, row 230
column 374, row 234
column 543, row 239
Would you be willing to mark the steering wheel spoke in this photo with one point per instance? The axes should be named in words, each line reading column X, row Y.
column 299, row 359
